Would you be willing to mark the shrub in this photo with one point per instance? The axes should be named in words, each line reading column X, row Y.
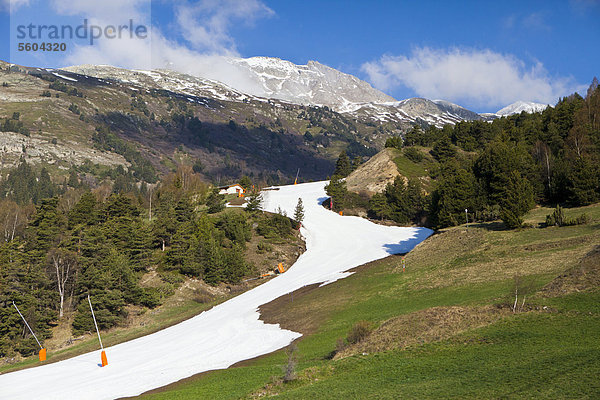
column 264, row 247
column 413, row 154
column 273, row 226
column 557, row 218
column 582, row 219
column 394, row 142
column 359, row 332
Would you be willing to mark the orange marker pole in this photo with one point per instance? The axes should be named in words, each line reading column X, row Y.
column 42, row 353
column 104, row 361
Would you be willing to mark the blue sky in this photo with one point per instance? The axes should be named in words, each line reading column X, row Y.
column 480, row 54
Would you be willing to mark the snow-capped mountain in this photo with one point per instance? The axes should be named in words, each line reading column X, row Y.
column 263, row 77
column 520, row 106
column 315, row 84
column 416, row 110
column 162, row 79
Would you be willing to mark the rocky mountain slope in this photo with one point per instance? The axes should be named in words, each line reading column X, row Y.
column 415, row 111
column 312, row 84
column 160, row 120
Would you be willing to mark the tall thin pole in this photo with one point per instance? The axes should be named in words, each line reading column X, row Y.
column 94, row 317
column 30, row 330
column 467, row 217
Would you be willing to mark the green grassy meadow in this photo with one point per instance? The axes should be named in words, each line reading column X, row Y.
column 550, row 348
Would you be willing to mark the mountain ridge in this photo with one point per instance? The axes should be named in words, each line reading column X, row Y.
column 314, row 84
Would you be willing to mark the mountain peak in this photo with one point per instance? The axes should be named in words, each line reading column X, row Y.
column 520, row 106
column 311, row 84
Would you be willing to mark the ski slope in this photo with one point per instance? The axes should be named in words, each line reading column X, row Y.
column 229, row 332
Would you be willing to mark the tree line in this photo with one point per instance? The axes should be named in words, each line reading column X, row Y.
column 58, row 246
column 495, row 170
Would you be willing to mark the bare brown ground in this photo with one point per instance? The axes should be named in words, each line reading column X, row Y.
column 584, row 276
column 430, row 325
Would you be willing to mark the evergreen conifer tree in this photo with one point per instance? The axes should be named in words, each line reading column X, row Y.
column 299, row 211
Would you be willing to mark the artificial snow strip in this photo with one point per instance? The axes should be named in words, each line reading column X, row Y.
column 227, row 333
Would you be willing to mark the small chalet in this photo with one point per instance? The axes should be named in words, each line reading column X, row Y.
column 232, row 189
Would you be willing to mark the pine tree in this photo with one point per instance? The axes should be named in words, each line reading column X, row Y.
column 584, row 183
column 443, row 150
column 516, row 200
column 342, row 166
column 299, row 211
column 455, row 191
column 338, row 192
column 245, row 182
column 379, row 207
column 215, row 202
column 84, row 211
column 254, row 203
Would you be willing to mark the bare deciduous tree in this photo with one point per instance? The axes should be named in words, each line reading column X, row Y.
column 65, row 264
column 290, row 368
column 523, row 287
column 13, row 219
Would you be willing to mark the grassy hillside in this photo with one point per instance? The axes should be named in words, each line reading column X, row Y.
column 444, row 328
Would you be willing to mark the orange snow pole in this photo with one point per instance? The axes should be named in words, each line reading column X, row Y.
column 42, row 353
column 280, row 268
column 103, row 358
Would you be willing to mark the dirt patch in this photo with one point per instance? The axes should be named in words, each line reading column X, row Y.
column 278, row 312
column 424, row 326
column 556, row 244
column 582, row 277
column 374, row 175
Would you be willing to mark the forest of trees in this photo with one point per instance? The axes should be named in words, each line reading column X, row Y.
column 496, row 170
column 63, row 242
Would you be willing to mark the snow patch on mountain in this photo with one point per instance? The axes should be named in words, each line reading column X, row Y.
column 314, row 84
column 520, row 106
column 163, row 79
column 416, row 110
column 311, row 84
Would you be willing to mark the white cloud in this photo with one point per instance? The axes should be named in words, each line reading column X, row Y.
column 105, row 10
column 480, row 78
column 536, row 21
column 161, row 52
column 533, row 21
column 205, row 25
column 12, row 5
column 207, row 44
